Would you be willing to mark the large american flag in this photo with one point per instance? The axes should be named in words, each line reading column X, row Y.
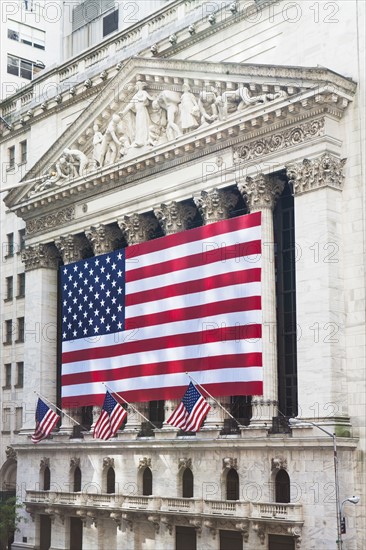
column 139, row 318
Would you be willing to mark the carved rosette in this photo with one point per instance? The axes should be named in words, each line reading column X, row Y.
column 324, row 171
column 11, row 454
column 174, row 216
column 184, row 463
column 55, row 219
column 261, row 192
column 71, row 248
column 279, row 463
column 137, row 228
column 103, row 238
column 215, row 205
column 38, row 256
column 108, row 462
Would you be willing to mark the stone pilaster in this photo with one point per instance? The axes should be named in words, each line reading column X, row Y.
column 137, row 228
column 215, row 205
column 103, row 238
column 174, row 216
column 40, row 335
column 261, row 194
column 317, row 185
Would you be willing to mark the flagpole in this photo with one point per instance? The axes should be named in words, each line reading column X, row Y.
column 219, row 404
column 129, row 404
column 57, row 408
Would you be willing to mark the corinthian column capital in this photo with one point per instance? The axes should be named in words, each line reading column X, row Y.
column 261, row 192
column 324, row 171
column 215, row 205
column 40, row 255
column 137, row 228
column 71, row 247
column 103, row 238
column 174, row 216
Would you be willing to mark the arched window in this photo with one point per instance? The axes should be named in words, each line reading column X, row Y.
column 46, row 479
column 232, row 485
column 282, row 486
column 111, row 481
column 147, row 482
column 77, row 480
column 187, row 483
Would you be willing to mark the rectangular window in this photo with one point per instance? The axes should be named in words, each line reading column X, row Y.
column 110, row 23
column 20, row 375
column 7, row 369
column 21, row 235
column 10, row 245
column 9, row 288
column 21, row 285
column 23, row 151
column 11, row 157
column 18, row 418
column 6, row 420
column 20, row 329
column 13, row 35
column 23, row 67
column 8, row 331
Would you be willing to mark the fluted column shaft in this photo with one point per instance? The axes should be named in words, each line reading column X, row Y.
column 261, row 194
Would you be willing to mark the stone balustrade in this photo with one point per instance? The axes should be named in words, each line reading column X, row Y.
column 190, row 506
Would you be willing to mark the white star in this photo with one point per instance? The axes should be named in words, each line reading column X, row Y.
column 119, row 256
column 102, row 269
column 65, row 271
column 119, row 273
column 97, row 295
column 65, row 287
column 80, row 324
column 108, row 327
column 64, row 335
column 102, row 286
column 80, row 307
column 119, row 308
column 108, row 293
column 75, row 284
column 70, row 277
column 114, row 318
column 108, row 310
column 91, row 271
column 64, row 319
column 114, row 266
column 90, row 305
column 119, row 290
column 119, row 325
column 74, row 316
column 69, row 310
column 80, row 290
column 108, row 260
column 85, row 298
column 97, row 279
column 75, row 267
column 69, row 294
column 90, row 321
column 86, row 281
column 108, row 276
column 102, row 302
column 74, row 333
column 102, row 319
column 74, row 300
column 86, row 265
column 80, row 275
column 91, row 288
column 85, row 331
column 96, row 329
column 96, row 262
column 69, row 326
column 114, row 283
column 114, row 300
column 96, row 312
column 65, row 302
column 85, row 315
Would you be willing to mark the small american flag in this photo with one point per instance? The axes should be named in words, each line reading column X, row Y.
column 111, row 418
column 46, row 420
column 191, row 411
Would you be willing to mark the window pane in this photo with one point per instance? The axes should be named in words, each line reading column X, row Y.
column 13, row 35
column 8, row 375
column 26, row 69
column 20, row 374
column 13, row 65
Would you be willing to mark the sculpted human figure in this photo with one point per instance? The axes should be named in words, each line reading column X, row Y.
column 97, row 145
column 243, row 98
column 138, row 105
column 58, row 173
column 78, row 160
column 209, row 100
column 189, row 109
column 110, row 143
column 169, row 101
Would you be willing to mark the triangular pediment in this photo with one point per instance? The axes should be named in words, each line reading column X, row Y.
column 154, row 109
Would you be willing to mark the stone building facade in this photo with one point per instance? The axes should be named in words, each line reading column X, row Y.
column 200, row 113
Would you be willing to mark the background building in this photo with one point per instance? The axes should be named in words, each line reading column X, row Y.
column 291, row 81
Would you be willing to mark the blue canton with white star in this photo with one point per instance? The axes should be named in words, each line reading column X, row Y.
column 191, row 397
column 93, row 296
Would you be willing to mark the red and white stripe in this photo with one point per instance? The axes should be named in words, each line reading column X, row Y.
column 193, row 304
column 190, row 422
column 106, row 426
column 45, row 427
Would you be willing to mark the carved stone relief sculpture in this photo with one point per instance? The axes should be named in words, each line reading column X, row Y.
column 140, row 127
column 189, row 110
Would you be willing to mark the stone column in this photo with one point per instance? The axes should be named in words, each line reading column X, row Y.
column 40, row 335
column 71, row 249
column 103, row 239
column 214, row 205
column 261, row 194
column 320, row 308
column 173, row 218
column 136, row 229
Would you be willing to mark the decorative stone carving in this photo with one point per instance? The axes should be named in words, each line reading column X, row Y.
column 137, row 228
column 71, row 247
column 10, row 453
column 108, row 462
column 168, row 101
column 261, row 532
column 184, row 463
column 261, row 192
column 326, row 170
column 228, row 463
column 139, row 126
column 58, row 174
column 74, row 462
column 209, row 524
column 154, row 49
column 103, row 238
column 111, row 145
column 196, row 523
column 241, row 98
column 189, row 109
column 174, row 216
column 279, row 463
column 97, row 145
column 280, row 140
column 55, row 219
column 128, row 518
column 214, row 205
column 117, row 517
column 78, row 160
column 155, row 520
column 144, row 462
column 168, row 523
column 192, row 29
column 44, row 463
column 243, row 526
column 210, row 105
column 173, row 39
column 40, row 255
